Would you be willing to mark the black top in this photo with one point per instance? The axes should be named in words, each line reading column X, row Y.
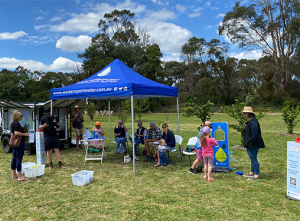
column 49, row 131
column 169, row 138
column 140, row 132
column 120, row 130
column 77, row 124
column 16, row 126
column 252, row 134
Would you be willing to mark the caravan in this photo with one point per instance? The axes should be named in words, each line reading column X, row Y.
column 32, row 113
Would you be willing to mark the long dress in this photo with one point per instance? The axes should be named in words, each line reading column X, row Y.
column 98, row 142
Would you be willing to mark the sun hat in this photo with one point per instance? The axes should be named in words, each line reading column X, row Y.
column 152, row 124
column 206, row 130
column 76, row 107
column 47, row 111
column 248, row 110
column 97, row 123
column 207, row 123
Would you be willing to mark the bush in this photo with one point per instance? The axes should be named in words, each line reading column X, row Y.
column 91, row 110
column 236, row 113
column 203, row 112
column 289, row 115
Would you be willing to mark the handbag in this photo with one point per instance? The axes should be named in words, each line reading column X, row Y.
column 14, row 141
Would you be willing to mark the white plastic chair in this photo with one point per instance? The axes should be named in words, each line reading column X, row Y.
column 93, row 157
column 178, row 140
column 101, row 113
column 192, row 141
column 111, row 113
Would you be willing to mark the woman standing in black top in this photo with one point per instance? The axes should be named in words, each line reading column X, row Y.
column 18, row 152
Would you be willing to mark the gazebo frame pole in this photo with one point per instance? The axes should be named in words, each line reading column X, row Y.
column 51, row 107
column 109, row 121
column 132, row 125
column 178, row 115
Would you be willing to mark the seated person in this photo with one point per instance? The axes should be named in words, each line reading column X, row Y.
column 169, row 137
column 98, row 129
column 120, row 134
column 141, row 132
column 153, row 135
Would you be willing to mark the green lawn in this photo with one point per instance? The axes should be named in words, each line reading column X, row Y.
column 155, row 193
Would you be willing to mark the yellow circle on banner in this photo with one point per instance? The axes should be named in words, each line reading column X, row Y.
column 221, row 155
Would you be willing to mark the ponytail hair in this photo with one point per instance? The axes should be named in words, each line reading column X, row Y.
column 202, row 139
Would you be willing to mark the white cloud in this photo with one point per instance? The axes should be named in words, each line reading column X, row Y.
column 160, row 2
column 89, row 22
column 60, row 64
column 207, row 4
column 208, row 27
column 169, row 36
column 198, row 9
column 194, row 15
column 172, row 57
column 220, row 15
column 39, row 40
column 181, row 8
column 69, row 43
column 256, row 54
column 13, row 35
column 56, row 18
column 39, row 18
column 163, row 15
column 214, row 8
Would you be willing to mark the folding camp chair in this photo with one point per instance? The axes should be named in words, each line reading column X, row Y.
column 91, row 156
column 178, row 140
column 126, row 140
column 192, row 142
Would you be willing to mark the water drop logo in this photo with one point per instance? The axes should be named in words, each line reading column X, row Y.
column 221, row 155
column 105, row 72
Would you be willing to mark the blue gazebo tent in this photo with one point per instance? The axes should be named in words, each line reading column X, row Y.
column 115, row 81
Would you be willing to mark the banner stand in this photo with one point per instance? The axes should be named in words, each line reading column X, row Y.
column 221, row 153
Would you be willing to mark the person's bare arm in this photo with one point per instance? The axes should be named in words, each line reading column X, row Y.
column 42, row 127
column 19, row 134
column 74, row 118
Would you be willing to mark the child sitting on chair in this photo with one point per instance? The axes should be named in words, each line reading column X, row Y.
column 98, row 129
column 162, row 152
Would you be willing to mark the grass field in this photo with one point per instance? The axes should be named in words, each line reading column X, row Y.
column 155, row 193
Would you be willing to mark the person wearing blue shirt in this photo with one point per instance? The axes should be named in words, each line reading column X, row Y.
column 198, row 149
column 252, row 142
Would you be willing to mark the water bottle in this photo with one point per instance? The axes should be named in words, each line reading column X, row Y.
column 96, row 135
column 145, row 137
column 93, row 135
column 190, row 148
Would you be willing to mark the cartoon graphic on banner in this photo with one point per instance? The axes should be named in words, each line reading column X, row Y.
column 293, row 173
column 221, row 153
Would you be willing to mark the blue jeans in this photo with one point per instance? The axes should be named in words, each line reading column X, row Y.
column 17, row 158
column 118, row 140
column 254, row 162
column 163, row 158
column 136, row 141
column 170, row 148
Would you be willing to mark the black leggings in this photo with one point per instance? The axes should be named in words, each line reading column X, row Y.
column 17, row 158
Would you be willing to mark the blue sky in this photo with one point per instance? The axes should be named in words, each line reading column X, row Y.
column 47, row 35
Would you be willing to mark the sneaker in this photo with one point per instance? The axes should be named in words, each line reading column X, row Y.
column 61, row 165
column 192, row 171
column 248, row 175
column 50, row 166
column 253, row 178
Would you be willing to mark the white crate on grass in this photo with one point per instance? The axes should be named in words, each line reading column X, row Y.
column 34, row 171
column 27, row 164
column 82, row 177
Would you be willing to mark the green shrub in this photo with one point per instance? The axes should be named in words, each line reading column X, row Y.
column 289, row 114
column 203, row 112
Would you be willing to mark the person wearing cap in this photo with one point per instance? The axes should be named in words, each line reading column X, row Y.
column 77, row 120
column 253, row 141
column 154, row 134
column 140, row 134
column 49, row 124
column 120, row 134
column 98, row 129
column 198, row 149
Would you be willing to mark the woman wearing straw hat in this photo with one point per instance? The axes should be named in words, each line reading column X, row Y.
column 98, row 129
column 252, row 142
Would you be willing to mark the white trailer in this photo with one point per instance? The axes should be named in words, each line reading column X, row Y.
column 32, row 113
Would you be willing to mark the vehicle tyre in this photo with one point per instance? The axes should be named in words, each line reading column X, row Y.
column 5, row 145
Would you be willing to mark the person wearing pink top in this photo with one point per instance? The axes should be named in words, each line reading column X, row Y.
column 207, row 152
